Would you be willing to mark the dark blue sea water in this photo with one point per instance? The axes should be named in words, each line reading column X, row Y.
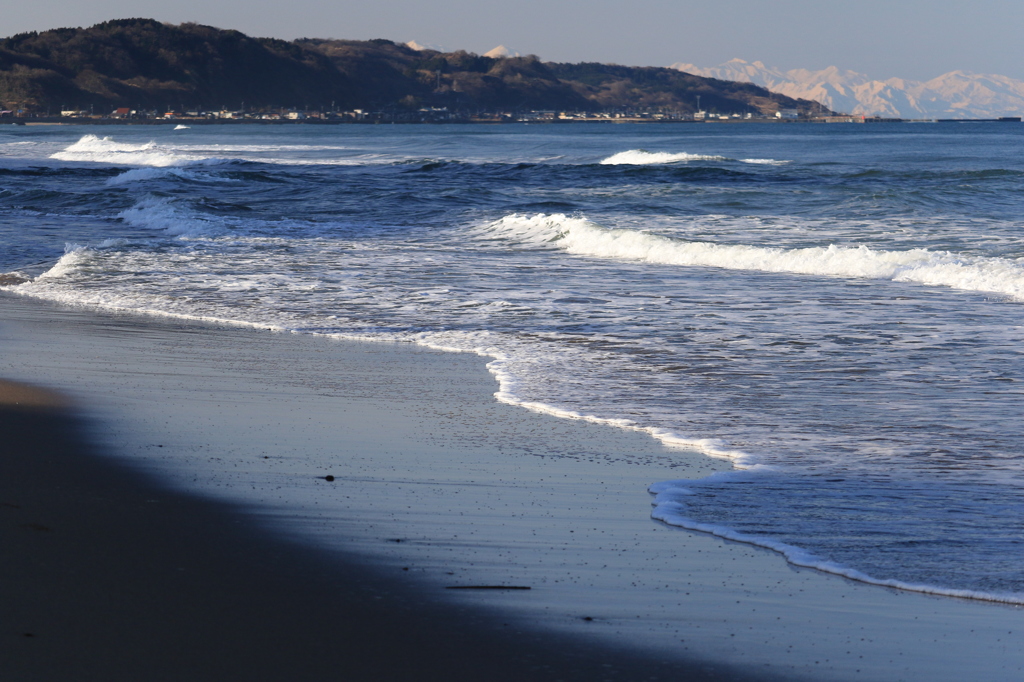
column 839, row 309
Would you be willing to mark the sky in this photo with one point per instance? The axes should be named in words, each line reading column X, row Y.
column 913, row 39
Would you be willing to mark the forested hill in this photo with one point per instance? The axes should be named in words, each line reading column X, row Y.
column 145, row 64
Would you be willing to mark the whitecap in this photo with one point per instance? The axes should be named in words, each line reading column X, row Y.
column 641, row 157
column 74, row 256
column 93, row 149
column 579, row 236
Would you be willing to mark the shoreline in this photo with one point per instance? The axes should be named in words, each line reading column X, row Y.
column 478, row 493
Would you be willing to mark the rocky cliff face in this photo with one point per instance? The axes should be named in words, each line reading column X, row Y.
column 957, row 94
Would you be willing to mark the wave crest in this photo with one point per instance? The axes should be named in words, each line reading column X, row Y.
column 94, row 149
column 159, row 213
column 148, row 174
column 75, row 255
column 579, row 236
column 642, row 157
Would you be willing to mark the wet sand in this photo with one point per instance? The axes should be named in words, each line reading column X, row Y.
column 435, row 485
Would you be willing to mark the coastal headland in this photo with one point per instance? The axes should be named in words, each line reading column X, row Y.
column 145, row 69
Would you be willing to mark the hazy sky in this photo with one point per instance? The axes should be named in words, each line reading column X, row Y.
column 916, row 39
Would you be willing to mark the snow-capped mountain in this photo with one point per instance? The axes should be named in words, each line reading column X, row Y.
column 501, row 51
column 420, row 47
column 957, row 94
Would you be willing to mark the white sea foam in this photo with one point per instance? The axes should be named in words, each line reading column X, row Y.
column 580, row 236
column 74, row 256
column 93, row 149
column 642, row 157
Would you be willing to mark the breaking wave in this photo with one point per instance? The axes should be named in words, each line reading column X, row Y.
column 642, row 157
column 161, row 213
column 582, row 237
column 94, row 149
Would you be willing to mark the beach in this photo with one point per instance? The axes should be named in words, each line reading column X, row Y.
column 108, row 573
column 181, row 526
column 451, row 366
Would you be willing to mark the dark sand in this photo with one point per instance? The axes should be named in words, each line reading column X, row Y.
column 104, row 576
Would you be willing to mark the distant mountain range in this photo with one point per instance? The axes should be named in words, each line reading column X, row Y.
column 956, row 94
column 146, row 64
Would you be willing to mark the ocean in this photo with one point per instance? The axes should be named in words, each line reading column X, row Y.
column 837, row 309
